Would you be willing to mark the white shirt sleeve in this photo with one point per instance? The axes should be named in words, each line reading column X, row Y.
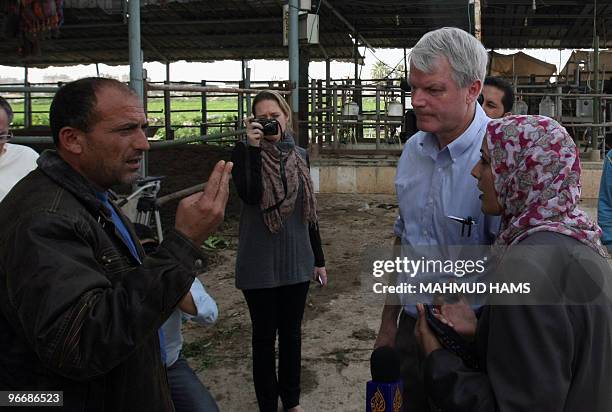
column 205, row 305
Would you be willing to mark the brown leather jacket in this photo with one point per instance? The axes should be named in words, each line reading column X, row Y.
column 79, row 313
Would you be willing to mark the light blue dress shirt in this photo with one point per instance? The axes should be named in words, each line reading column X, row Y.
column 604, row 206
column 432, row 184
column 207, row 314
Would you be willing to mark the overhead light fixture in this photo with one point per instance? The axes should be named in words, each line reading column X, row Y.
column 525, row 22
column 533, row 5
column 397, row 22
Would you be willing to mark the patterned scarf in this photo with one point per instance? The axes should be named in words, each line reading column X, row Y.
column 282, row 170
column 536, row 169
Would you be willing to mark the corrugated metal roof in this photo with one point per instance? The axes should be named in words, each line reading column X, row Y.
column 95, row 31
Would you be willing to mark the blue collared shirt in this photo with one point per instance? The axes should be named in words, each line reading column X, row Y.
column 432, row 184
column 125, row 234
column 604, row 206
column 207, row 314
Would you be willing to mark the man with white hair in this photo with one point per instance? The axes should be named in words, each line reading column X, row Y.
column 433, row 182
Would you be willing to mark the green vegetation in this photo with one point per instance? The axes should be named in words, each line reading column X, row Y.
column 186, row 113
column 203, row 352
column 221, row 110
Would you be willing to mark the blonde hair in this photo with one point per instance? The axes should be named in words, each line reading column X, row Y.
column 280, row 100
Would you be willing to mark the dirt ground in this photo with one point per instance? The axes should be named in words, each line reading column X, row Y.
column 339, row 327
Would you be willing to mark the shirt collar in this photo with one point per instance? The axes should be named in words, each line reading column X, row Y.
column 457, row 147
column 103, row 196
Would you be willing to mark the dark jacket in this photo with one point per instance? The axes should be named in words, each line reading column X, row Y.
column 78, row 312
column 545, row 358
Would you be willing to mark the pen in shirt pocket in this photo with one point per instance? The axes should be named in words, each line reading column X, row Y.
column 468, row 221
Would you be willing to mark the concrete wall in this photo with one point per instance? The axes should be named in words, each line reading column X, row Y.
column 376, row 175
column 591, row 175
column 354, row 175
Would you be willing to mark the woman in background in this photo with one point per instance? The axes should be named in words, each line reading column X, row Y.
column 279, row 249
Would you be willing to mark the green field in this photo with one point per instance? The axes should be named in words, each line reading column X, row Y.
column 186, row 113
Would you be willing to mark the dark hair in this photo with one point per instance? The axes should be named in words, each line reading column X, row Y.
column 74, row 103
column 504, row 86
column 7, row 108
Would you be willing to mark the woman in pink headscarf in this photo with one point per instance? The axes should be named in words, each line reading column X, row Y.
column 554, row 354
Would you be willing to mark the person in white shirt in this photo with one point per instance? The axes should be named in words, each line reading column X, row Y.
column 187, row 391
column 15, row 161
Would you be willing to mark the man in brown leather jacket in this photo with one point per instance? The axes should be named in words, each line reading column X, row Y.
column 80, row 304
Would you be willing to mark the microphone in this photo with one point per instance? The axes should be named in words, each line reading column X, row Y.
column 384, row 391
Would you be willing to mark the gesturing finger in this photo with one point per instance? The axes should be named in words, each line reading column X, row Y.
column 223, row 192
column 212, row 186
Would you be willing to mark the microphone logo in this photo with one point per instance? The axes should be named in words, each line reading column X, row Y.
column 384, row 391
column 378, row 402
column 397, row 400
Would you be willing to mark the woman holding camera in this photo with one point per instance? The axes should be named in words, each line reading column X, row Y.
column 279, row 249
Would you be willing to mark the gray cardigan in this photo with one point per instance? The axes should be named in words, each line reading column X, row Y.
column 266, row 259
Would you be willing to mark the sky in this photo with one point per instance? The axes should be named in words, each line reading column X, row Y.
column 260, row 69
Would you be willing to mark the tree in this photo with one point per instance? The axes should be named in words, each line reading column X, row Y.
column 382, row 71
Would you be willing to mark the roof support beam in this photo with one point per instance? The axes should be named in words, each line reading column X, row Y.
column 155, row 50
column 294, row 56
column 135, row 53
column 173, row 23
column 347, row 23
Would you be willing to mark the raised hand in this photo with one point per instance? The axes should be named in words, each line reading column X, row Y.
column 199, row 215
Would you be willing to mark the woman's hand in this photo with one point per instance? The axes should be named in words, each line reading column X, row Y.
column 254, row 131
column 320, row 275
column 424, row 335
column 458, row 316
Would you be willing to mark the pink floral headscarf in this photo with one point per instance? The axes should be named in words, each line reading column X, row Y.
column 536, row 169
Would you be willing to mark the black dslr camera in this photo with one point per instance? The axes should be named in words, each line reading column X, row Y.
column 270, row 126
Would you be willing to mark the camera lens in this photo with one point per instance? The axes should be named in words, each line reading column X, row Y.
column 270, row 127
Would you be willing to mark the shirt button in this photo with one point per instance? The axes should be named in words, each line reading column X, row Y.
column 198, row 264
column 439, row 169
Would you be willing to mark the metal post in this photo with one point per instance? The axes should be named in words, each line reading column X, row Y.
column 596, row 101
column 357, row 92
column 334, row 110
column 377, row 117
column 240, row 103
column 328, row 96
column 135, row 51
column 135, row 55
column 167, row 107
column 559, row 104
column 27, row 102
column 594, row 153
column 314, row 140
column 204, row 123
column 246, row 76
column 477, row 23
column 304, row 86
column 319, row 114
column 294, row 57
